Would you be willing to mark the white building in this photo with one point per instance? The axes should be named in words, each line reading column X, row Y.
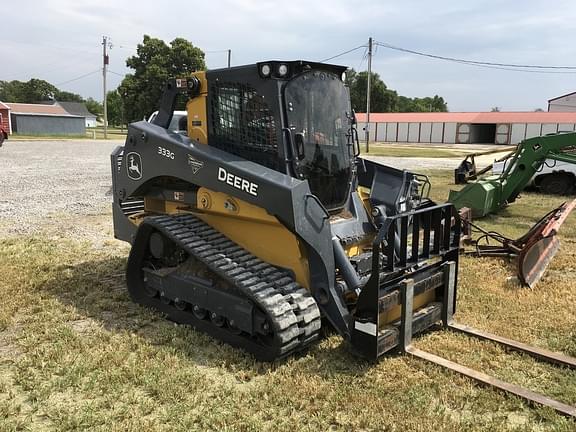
column 564, row 103
column 464, row 128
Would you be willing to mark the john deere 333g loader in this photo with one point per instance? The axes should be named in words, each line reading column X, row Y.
column 263, row 223
column 264, row 219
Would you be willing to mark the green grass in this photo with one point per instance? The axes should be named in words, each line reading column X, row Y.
column 18, row 136
column 91, row 133
column 76, row 354
column 392, row 150
column 113, row 133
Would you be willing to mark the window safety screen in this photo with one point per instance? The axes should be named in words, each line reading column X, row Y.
column 243, row 124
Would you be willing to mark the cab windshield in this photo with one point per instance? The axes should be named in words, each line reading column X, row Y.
column 318, row 112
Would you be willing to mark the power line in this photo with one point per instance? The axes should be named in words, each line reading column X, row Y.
column 343, row 53
column 490, row 65
column 77, row 78
column 364, row 57
column 125, row 48
column 116, row 73
column 385, row 45
column 516, row 70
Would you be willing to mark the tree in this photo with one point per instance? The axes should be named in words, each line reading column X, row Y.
column 426, row 104
column 115, row 108
column 95, row 107
column 495, row 109
column 34, row 90
column 154, row 63
column 383, row 99
column 64, row 96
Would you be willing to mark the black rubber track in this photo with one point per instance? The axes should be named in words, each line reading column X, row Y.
column 290, row 309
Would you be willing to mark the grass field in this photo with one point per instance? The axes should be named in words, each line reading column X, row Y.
column 400, row 151
column 91, row 133
column 76, row 354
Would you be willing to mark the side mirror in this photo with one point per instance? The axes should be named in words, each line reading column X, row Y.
column 299, row 144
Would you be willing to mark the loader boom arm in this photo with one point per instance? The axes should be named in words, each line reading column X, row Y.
column 529, row 157
column 489, row 194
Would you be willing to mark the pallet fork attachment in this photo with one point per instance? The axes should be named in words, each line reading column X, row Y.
column 403, row 242
column 405, row 347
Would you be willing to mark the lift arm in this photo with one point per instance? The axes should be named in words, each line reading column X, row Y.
column 489, row 194
column 529, row 157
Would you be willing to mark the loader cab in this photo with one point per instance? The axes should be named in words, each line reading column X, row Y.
column 293, row 117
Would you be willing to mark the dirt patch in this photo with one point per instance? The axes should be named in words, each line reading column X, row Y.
column 9, row 350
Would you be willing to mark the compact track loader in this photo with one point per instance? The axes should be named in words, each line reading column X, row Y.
column 263, row 223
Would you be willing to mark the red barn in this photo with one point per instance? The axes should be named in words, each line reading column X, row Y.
column 5, row 122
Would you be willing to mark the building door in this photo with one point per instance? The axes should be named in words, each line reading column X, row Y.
column 503, row 133
column 463, row 133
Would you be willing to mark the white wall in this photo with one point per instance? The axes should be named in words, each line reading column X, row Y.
column 425, row 131
column 566, row 127
column 446, row 132
column 450, row 133
column 362, row 131
column 437, row 132
column 533, row 130
column 413, row 132
column 518, row 133
column 391, row 131
column 549, row 128
column 565, row 104
column 402, row 132
column 380, row 132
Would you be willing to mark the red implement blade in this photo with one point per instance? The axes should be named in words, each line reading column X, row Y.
column 534, row 250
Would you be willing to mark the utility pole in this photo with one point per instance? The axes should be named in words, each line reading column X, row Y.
column 105, row 62
column 229, row 56
column 368, row 95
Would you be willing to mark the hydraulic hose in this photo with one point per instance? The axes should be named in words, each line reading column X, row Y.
column 343, row 264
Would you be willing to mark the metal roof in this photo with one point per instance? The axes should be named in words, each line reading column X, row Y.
column 471, row 117
column 560, row 97
column 76, row 108
column 39, row 109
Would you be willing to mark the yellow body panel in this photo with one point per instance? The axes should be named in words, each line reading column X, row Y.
column 255, row 230
column 393, row 314
column 197, row 116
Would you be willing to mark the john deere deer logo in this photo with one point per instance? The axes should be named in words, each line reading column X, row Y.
column 134, row 166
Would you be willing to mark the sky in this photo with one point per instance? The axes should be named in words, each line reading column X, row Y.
column 60, row 41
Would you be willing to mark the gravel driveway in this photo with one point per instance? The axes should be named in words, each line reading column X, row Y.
column 54, row 184
column 410, row 163
column 53, row 179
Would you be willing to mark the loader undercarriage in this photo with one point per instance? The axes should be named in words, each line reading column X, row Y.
column 184, row 268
